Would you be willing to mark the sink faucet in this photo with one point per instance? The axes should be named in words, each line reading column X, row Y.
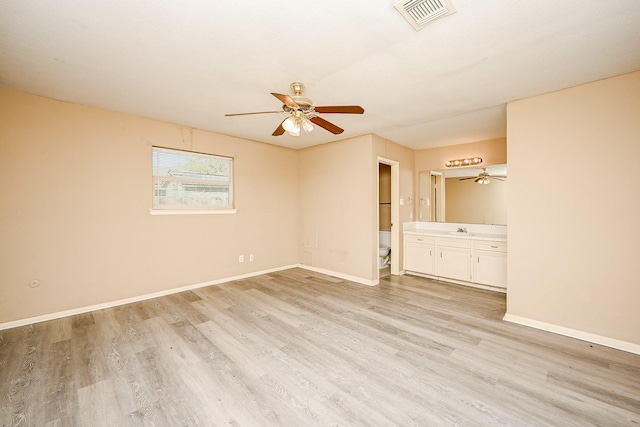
column 462, row 230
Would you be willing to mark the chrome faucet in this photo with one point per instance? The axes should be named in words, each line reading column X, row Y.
column 462, row 230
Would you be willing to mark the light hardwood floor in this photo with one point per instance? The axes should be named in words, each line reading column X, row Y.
column 297, row 348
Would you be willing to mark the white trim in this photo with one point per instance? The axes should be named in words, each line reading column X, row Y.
column 191, row 212
column 574, row 333
column 395, row 215
column 81, row 310
column 339, row 275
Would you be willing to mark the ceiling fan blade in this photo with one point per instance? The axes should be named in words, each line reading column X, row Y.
column 340, row 109
column 285, row 99
column 279, row 130
column 471, row 177
column 327, row 125
column 248, row 114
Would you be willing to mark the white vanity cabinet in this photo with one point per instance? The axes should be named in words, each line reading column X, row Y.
column 420, row 254
column 471, row 260
column 490, row 263
column 454, row 259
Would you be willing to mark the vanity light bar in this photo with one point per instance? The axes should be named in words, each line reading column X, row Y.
column 463, row 162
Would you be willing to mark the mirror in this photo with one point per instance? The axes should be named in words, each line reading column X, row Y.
column 452, row 195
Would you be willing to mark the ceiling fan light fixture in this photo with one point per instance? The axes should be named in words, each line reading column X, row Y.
column 295, row 131
column 482, row 180
column 307, row 126
column 291, row 125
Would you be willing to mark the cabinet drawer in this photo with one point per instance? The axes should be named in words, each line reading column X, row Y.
column 490, row 246
column 454, row 243
column 414, row 238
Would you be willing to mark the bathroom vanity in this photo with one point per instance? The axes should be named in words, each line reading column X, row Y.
column 467, row 254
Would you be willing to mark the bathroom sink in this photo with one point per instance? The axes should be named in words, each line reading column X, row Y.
column 459, row 233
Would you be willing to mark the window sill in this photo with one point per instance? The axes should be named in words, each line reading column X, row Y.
column 192, row 212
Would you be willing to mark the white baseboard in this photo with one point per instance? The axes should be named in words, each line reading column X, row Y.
column 340, row 275
column 81, row 310
column 574, row 333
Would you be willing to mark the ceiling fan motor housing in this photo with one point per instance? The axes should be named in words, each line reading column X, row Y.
column 305, row 103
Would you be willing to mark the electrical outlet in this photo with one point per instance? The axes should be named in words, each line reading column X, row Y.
column 241, row 258
column 250, row 257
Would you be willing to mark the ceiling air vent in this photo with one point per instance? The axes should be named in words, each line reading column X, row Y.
column 420, row 12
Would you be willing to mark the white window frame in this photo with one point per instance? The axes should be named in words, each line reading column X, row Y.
column 179, row 178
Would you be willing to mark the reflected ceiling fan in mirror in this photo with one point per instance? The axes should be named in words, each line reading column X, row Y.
column 303, row 114
column 483, row 177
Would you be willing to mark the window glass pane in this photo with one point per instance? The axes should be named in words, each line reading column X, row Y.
column 186, row 180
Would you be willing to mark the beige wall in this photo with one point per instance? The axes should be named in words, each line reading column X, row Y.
column 492, row 152
column 338, row 203
column 76, row 193
column 574, row 206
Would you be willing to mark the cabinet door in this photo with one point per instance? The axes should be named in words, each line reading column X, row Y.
column 419, row 258
column 490, row 269
column 454, row 264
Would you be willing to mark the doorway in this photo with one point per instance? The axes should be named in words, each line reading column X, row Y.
column 388, row 218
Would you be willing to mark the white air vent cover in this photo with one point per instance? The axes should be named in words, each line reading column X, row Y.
column 420, row 12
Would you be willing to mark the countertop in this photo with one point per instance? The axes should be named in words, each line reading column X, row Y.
column 456, row 235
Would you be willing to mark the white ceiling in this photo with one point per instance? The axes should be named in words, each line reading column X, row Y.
column 191, row 61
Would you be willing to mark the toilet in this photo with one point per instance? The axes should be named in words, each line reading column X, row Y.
column 384, row 255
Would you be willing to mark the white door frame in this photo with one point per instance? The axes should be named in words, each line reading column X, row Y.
column 395, row 215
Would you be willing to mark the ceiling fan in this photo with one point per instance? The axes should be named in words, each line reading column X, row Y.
column 303, row 114
column 483, row 177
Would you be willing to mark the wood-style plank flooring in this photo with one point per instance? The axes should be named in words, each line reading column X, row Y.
column 297, row 348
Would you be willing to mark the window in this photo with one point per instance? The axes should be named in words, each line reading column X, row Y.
column 186, row 181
